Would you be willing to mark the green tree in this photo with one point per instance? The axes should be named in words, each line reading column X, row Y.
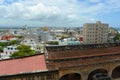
column 1, row 49
column 117, row 37
column 3, row 44
column 23, row 50
column 20, row 37
column 13, row 42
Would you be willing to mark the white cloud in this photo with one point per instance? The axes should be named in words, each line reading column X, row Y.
column 18, row 10
column 41, row 11
column 1, row 1
column 58, row 11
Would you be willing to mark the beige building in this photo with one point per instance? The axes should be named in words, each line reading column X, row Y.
column 95, row 33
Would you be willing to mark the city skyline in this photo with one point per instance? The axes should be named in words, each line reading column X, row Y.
column 63, row 13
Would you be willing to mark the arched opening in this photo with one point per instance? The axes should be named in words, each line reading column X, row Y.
column 99, row 74
column 116, row 73
column 71, row 76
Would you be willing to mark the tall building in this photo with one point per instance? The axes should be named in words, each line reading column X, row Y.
column 95, row 33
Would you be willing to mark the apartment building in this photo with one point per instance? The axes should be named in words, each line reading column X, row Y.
column 95, row 33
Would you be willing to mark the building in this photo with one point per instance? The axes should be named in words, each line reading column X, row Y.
column 95, row 33
column 23, row 65
column 34, row 66
column 45, row 36
column 7, row 37
column 112, row 31
column 69, row 41
column 7, row 51
column 75, row 62
column 30, row 42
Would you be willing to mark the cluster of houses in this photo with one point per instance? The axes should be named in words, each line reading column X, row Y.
column 38, row 38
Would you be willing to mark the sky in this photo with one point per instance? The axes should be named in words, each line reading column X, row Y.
column 59, row 13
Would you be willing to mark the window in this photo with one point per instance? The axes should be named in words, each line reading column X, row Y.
column 8, row 48
column 11, row 48
column 6, row 52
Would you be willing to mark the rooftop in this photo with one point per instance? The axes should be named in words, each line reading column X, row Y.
column 82, row 55
column 23, row 65
column 80, row 51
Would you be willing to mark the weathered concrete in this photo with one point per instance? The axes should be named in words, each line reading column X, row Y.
column 84, row 59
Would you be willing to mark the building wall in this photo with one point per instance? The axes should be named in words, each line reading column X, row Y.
column 50, row 75
column 83, row 61
column 85, row 70
column 83, row 66
column 94, row 33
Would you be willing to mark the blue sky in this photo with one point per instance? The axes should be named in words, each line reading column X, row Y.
column 59, row 13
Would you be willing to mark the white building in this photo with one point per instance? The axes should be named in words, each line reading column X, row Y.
column 35, row 45
column 7, row 51
column 69, row 41
column 30, row 42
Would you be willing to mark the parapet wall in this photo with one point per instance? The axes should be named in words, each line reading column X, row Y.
column 78, row 55
column 81, row 46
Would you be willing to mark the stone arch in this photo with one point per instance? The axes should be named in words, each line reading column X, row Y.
column 96, row 71
column 116, row 72
column 71, row 76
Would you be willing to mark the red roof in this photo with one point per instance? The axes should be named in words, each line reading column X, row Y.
column 23, row 65
column 7, row 37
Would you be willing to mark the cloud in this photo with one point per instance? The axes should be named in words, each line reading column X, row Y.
column 35, row 12
column 1, row 1
column 56, row 12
